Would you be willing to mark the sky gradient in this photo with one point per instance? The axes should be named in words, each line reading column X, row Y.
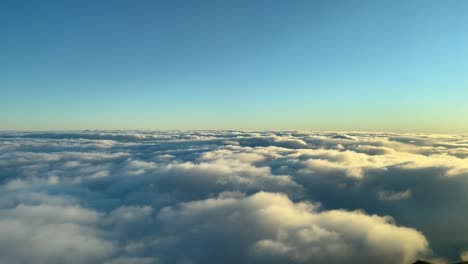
column 308, row 65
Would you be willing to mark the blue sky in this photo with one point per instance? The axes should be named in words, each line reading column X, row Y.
column 313, row 65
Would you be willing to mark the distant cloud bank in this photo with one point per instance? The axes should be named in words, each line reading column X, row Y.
column 232, row 197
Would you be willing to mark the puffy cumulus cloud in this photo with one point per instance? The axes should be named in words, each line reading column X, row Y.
column 228, row 169
column 356, row 164
column 205, row 178
column 220, row 196
column 419, row 189
column 270, row 228
column 43, row 228
column 51, row 232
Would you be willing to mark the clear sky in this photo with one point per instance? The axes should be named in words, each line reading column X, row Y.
column 312, row 65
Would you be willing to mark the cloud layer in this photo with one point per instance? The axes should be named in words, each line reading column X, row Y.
column 232, row 197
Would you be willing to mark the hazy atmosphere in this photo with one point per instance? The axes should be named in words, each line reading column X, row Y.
column 206, row 132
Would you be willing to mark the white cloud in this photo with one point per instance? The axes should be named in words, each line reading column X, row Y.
column 51, row 233
column 282, row 231
column 251, row 196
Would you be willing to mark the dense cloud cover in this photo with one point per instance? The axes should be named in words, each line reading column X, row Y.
column 232, row 197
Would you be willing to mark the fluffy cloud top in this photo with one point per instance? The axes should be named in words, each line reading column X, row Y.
column 270, row 228
column 231, row 197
